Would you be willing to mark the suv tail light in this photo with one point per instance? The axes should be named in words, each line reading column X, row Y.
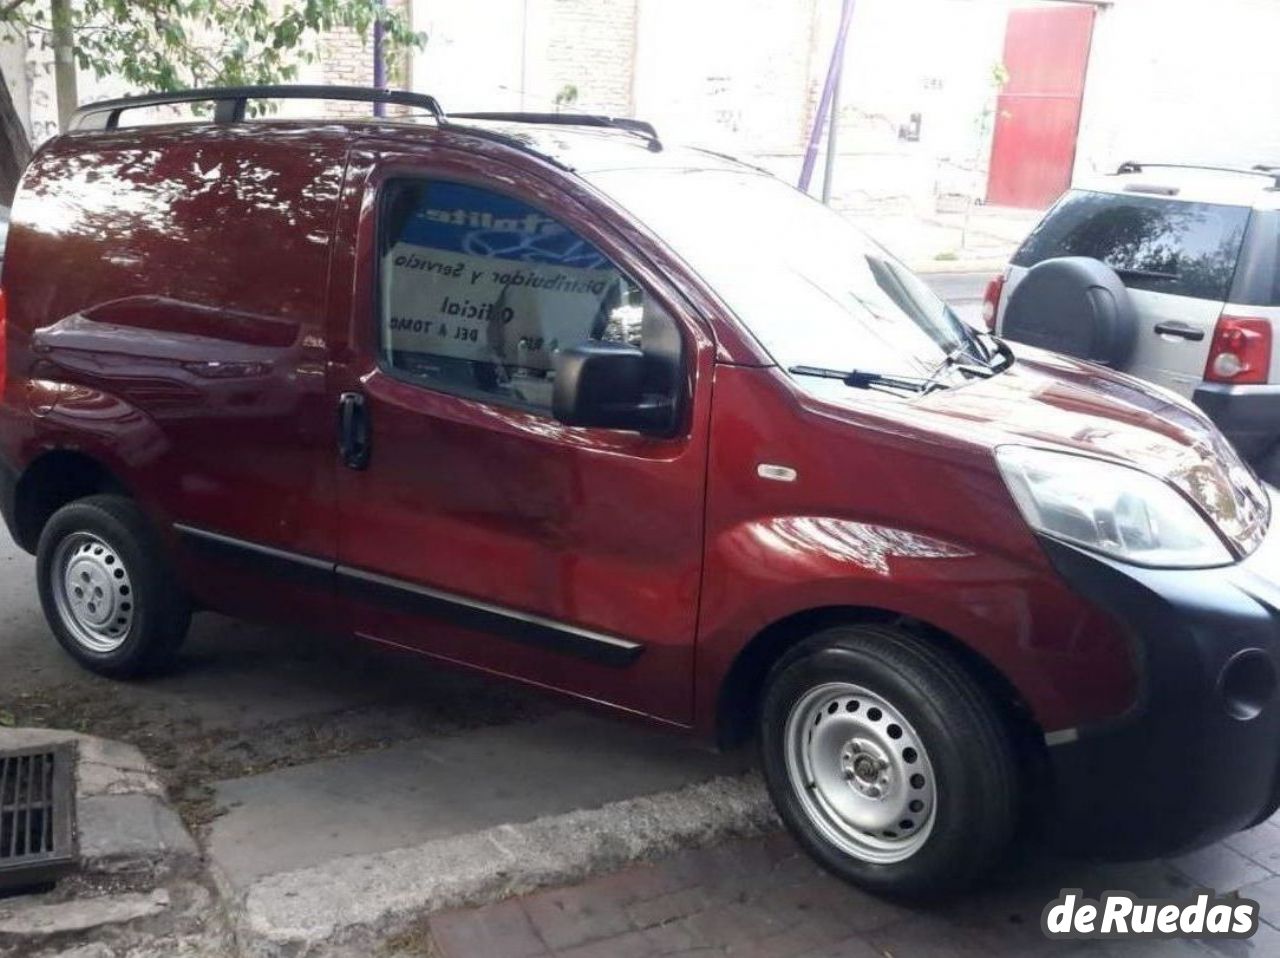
column 4, row 341
column 991, row 301
column 1241, row 351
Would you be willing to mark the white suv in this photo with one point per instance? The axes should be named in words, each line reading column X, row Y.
column 1198, row 251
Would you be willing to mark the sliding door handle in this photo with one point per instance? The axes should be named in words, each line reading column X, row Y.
column 355, row 434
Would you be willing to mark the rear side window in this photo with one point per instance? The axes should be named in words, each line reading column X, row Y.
column 1161, row 245
column 1257, row 281
column 479, row 289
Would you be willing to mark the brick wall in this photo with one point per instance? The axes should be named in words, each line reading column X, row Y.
column 346, row 59
column 591, row 45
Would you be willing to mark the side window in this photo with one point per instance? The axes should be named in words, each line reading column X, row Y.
column 478, row 290
column 1257, row 280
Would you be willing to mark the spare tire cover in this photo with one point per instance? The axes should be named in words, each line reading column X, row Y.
column 1073, row 305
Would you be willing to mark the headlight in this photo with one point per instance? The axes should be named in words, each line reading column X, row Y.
column 1114, row 509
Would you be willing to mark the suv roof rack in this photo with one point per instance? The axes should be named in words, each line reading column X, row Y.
column 640, row 127
column 230, row 102
column 1270, row 172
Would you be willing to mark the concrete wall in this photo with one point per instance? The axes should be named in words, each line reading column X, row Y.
column 1182, row 80
column 519, row 54
column 934, row 58
column 737, row 75
column 13, row 62
column 1189, row 80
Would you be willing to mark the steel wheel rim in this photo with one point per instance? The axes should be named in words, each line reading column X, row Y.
column 93, row 592
column 861, row 773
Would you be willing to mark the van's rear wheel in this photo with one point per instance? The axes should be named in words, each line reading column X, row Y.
column 887, row 761
column 107, row 593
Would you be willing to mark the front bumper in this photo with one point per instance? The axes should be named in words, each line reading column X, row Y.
column 1198, row 756
column 1247, row 415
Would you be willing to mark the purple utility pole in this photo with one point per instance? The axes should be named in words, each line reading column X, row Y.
column 828, row 96
column 379, row 61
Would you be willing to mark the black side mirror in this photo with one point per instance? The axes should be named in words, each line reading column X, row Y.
column 603, row 385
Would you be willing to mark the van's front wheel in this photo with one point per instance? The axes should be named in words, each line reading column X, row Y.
column 887, row 761
column 107, row 593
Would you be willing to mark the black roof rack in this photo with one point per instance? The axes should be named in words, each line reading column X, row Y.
column 1270, row 172
column 641, row 127
column 230, row 102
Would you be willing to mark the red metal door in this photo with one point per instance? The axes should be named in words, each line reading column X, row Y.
column 1046, row 52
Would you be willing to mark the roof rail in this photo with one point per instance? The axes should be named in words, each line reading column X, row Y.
column 1270, row 172
column 230, row 102
column 640, row 127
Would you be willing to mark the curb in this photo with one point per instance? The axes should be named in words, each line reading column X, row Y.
column 315, row 910
column 125, row 823
column 991, row 264
column 131, row 844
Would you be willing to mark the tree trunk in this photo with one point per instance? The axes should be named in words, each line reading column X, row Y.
column 15, row 148
column 64, row 61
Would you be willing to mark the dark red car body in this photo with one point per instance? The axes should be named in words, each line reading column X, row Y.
column 187, row 304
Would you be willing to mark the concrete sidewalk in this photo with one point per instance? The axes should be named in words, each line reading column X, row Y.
column 981, row 239
column 428, row 789
column 763, row 898
column 140, row 889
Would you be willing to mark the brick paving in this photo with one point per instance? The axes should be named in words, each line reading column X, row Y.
column 763, row 898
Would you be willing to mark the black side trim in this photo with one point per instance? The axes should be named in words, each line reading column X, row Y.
column 509, row 624
column 506, row 623
column 286, row 565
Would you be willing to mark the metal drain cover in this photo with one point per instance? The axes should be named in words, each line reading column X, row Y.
column 37, row 815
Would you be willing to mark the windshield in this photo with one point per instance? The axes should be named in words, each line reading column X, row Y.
column 811, row 287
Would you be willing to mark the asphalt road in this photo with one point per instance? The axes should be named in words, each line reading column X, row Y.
column 958, row 288
column 963, row 291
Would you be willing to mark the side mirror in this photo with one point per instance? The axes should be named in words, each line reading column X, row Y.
column 603, row 385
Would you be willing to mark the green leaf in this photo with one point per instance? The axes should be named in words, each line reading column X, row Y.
column 169, row 44
column 7, row 718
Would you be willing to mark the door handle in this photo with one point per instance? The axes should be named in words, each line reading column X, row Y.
column 354, row 431
column 1180, row 330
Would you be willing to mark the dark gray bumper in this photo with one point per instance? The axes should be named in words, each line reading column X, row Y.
column 1248, row 415
column 8, row 486
column 1198, row 757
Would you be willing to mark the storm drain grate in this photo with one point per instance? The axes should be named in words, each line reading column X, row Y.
column 37, row 813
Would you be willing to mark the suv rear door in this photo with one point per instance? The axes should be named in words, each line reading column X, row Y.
column 1176, row 257
column 480, row 529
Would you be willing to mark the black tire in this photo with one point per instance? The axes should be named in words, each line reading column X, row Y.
column 968, row 749
column 154, row 614
column 1077, row 306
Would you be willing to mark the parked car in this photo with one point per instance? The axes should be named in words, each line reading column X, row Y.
column 544, row 397
column 1197, row 253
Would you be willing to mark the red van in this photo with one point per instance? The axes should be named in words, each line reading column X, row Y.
column 544, row 397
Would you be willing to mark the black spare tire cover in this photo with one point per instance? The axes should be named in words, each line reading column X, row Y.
column 1073, row 305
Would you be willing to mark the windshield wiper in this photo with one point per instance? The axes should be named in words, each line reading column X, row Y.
column 861, row 379
column 1123, row 271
